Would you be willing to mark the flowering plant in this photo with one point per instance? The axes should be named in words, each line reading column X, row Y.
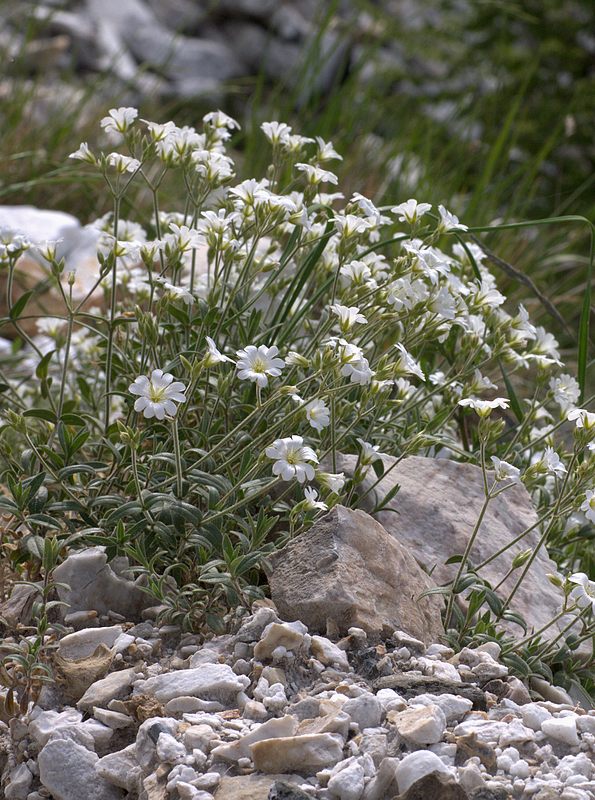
column 189, row 410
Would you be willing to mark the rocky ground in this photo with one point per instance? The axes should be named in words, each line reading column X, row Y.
column 275, row 712
column 278, row 710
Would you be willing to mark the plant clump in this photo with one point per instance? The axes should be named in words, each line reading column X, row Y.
column 190, row 411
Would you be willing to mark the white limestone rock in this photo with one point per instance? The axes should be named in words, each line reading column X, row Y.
column 45, row 723
column 168, row 749
column 120, row 768
column 209, row 682
column 68, row 772
column 19, row 782
column 288, row 635
column 421, row 724
column 114, row 686
column 91, row 584
column 328, row 653
column 83, row 643
column 273, row 729
column 417, row 765
column 305, row 755
column 562, row 729
column 348, row 783
column 366, row 710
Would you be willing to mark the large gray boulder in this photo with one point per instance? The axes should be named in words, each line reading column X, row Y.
column 348, row 571
column 437, row 506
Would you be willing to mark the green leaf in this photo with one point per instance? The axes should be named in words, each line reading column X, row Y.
column 34, row 545
column 17, row 309
column 583, row 330
column 514, row 401
column 41, row 413
column 42, row 368
column 73, row 419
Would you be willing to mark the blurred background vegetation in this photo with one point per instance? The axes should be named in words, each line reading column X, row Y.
column 485, row 106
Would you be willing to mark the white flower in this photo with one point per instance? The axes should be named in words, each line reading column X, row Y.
column 407, row 364
column 584, row 593
column 218, row 119
column 504, row 471
column 334, row 481
column 545, row 348
column 348, row 316
column 406, row 293
column 275, row 131
column 358, row 273
column 484, row 407
column 480, row 382
column 84, row 154
column 349, row 225
column 443, row 304
column 584, row 419
column 316, row 175
column 48, row 248
column 485, row 296
column 214, row 167
column 214, row 356
column 119, row 119
column 157, row 395
column 449, row 222
column 292, row 459
column 256, row 363
column 566, row 391
column 370, row 452
column 588, row 505
column 353, row 363
column 123, row 163
column 183, row 238
column 160, row 131
column 295, row 359
column 326, row 151
column 177, row 292
column 318, row 414
column 552, row 462
column 311, row 500
column 410, row 211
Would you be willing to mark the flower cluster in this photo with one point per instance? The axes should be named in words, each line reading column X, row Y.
column 302, row 327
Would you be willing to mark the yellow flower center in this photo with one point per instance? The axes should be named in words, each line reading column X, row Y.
column 156, row 394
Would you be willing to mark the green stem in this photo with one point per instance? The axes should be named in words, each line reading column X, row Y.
column 111, row 327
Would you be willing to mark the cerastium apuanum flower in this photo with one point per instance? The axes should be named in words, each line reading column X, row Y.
column 191, row 408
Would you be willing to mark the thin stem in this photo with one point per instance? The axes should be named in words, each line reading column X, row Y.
column 111, row 327
column 178, row 457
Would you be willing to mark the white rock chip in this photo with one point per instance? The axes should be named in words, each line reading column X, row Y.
column 534, row 715
column 68, row 772
column 348, row 783
column 366, row 710
column 120, row 768
column 303, row 754
column 417, row 765
column 562, row 729
column 82, row 644
column 19, row 782
column 273, row 729
column 169, row 749
column 44, row 723
column 288, row 635
column 453, row 707
column 421, row 724
column 328, row 653
column 113, row 719
column 209, row 682
column 114, row 686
